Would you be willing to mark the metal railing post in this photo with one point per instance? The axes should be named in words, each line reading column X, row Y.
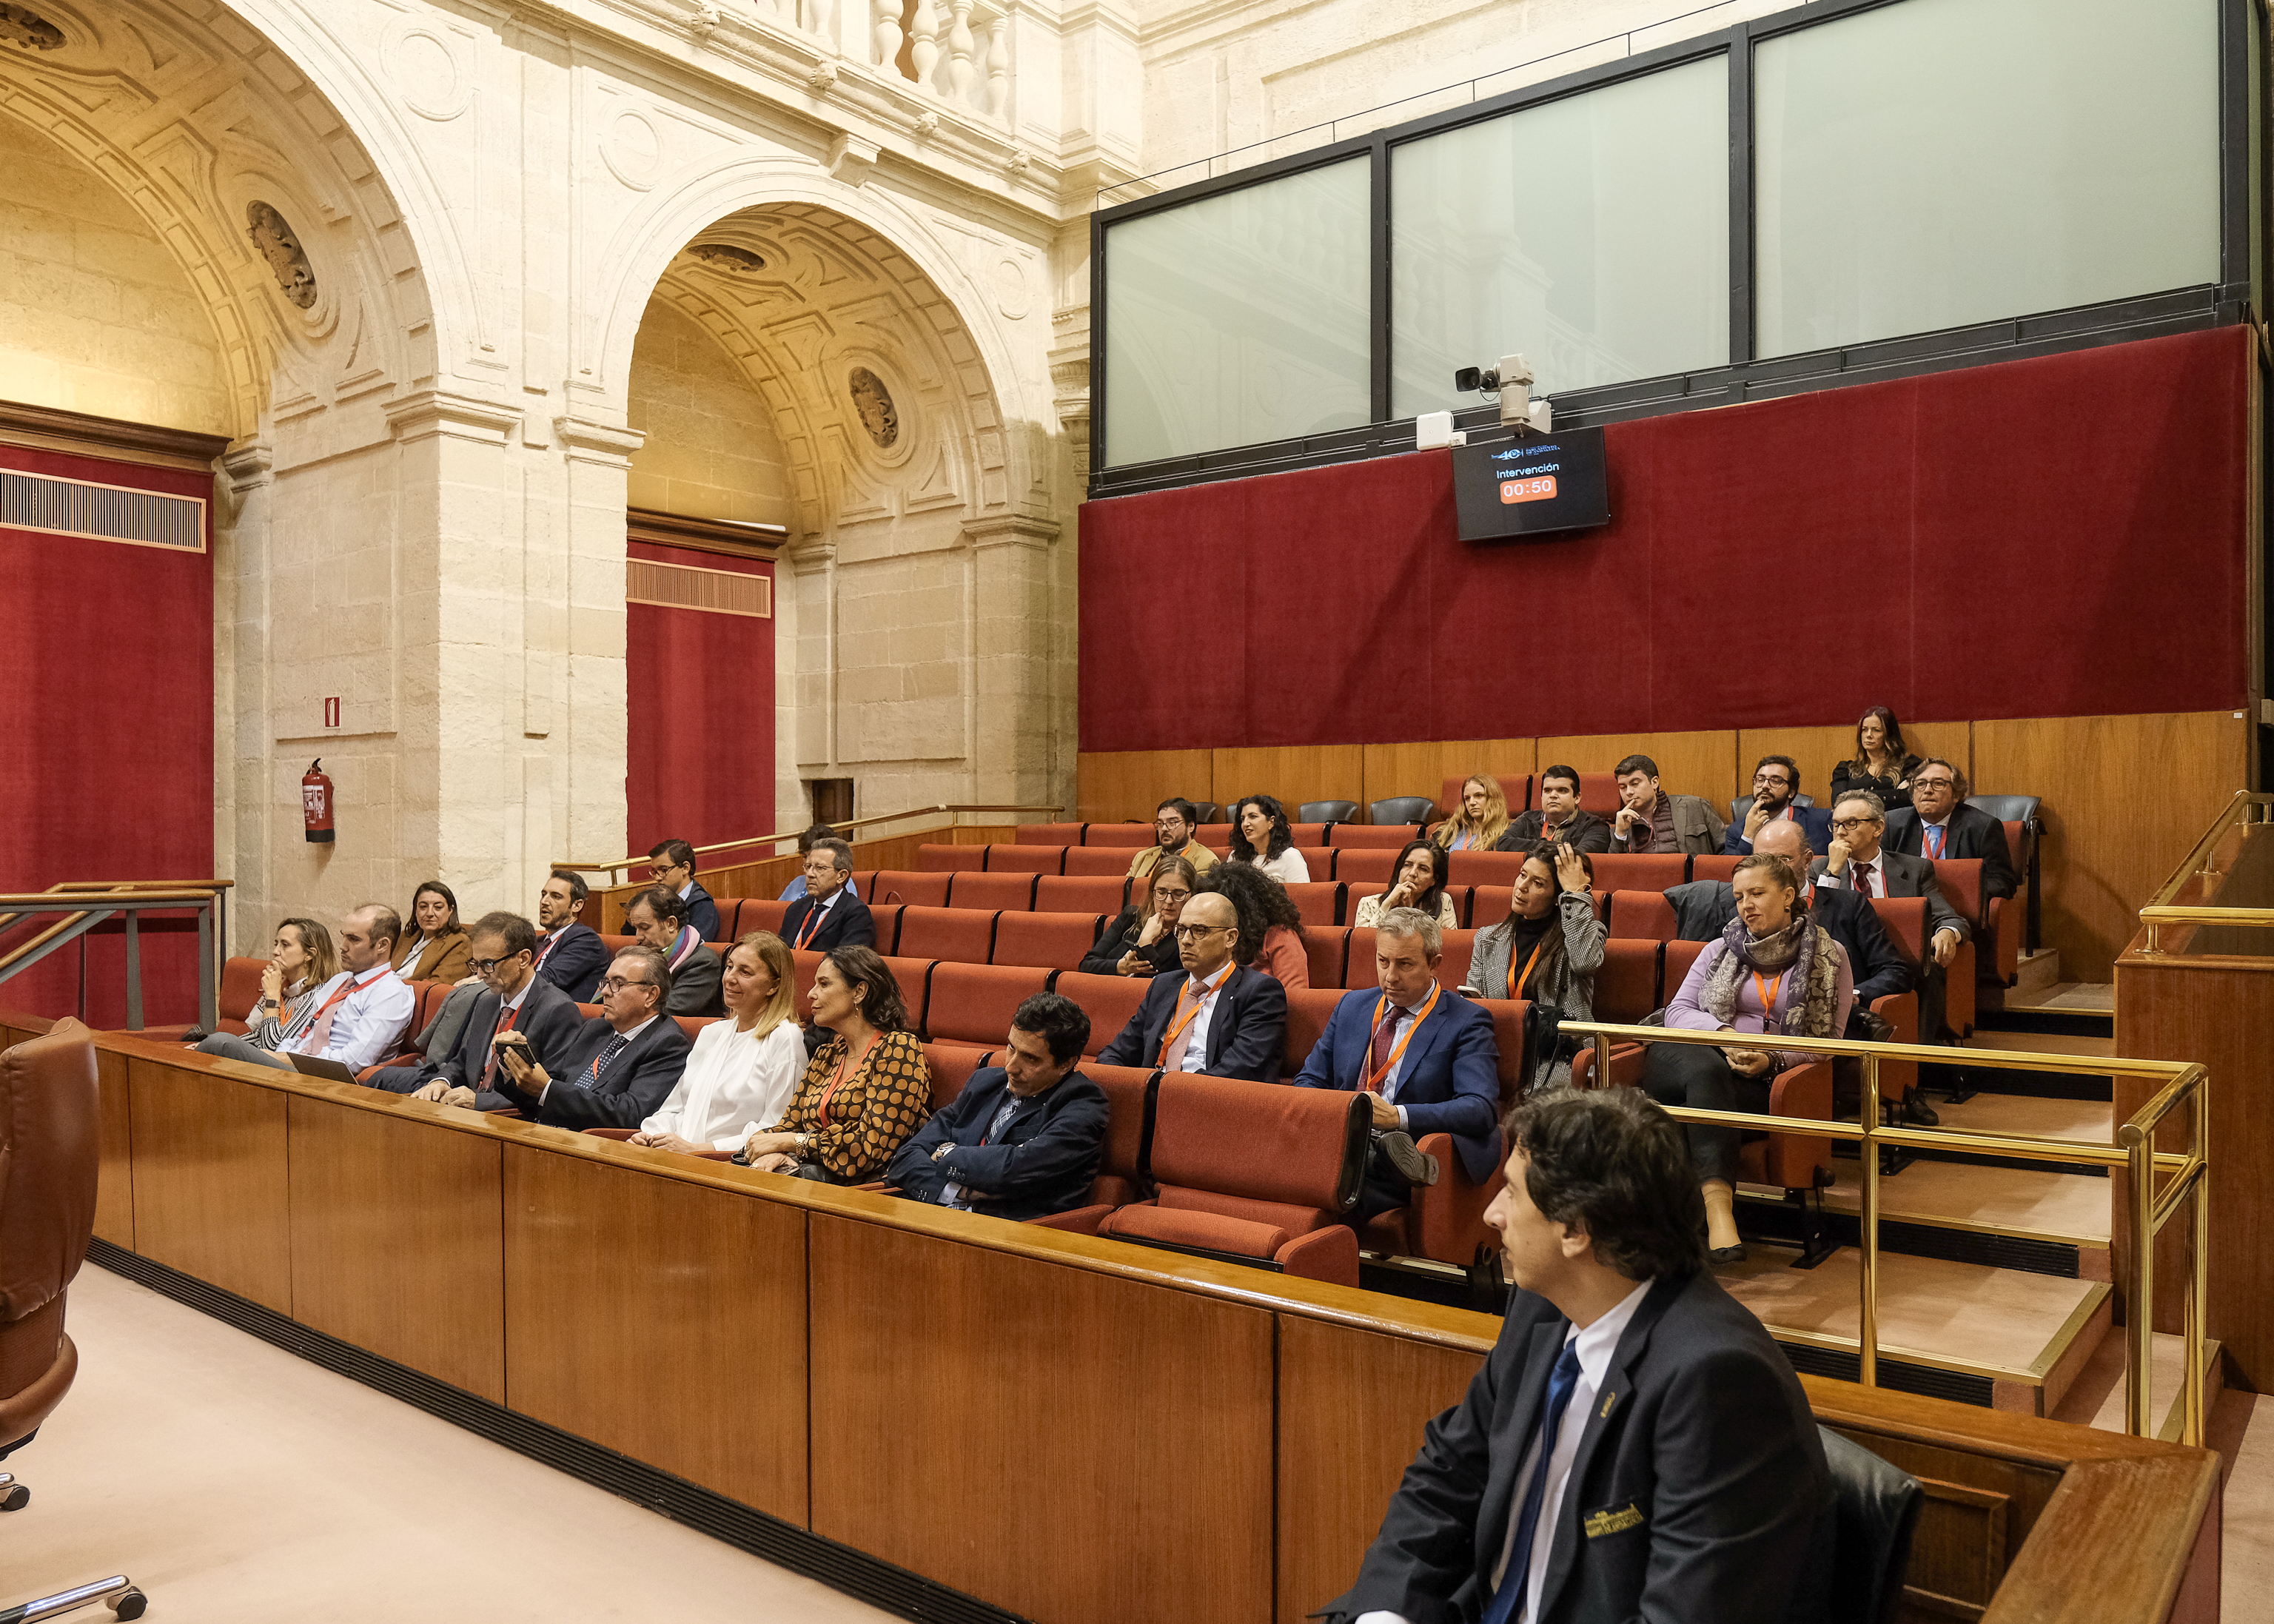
column 1602, row 1060
column 1867, row 1119
column 2140, row 1290
column 133, row 970
column 208, row 995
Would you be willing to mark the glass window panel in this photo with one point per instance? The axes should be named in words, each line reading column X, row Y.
column 1590, row 235
column 1241, row 318
column 1945, row 161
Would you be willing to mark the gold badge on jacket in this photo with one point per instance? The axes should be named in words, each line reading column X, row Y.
column 1601, row 1522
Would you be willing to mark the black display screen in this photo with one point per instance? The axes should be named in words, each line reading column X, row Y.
column 1532, row 486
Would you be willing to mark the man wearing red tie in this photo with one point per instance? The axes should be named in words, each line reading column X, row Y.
column 1939, row 824
column 360, row 1012
column 1211, row 1016
column 1425, row 1053
column 513, row 998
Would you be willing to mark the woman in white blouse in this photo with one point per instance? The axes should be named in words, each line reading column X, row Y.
column 1261, row 837
column 742, row 1069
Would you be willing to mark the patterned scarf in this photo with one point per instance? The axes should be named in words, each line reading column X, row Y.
column 1801, row 947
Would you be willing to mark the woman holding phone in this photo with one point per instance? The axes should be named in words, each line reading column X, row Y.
column 1548, row 947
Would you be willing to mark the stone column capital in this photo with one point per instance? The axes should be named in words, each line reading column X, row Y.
column 249, row 464
column 1010, row 530
column 432, row 413
column 584, row 439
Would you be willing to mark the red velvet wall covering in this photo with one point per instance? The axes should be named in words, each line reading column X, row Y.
column 106, row 724
column 2058, row 537
column 699, row 762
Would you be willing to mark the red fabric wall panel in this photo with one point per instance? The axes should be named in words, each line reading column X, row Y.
column 700, row 687
column 2024, row 537
column 105, row 723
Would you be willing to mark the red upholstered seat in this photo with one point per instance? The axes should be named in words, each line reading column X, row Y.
column 1053, row 941
column 1640, row 870
column 887, row 918
column 1254, row 1172
column 951, row 1066
column 1049, row 834
column 1110, row 1001
column 1679, row 957
column 1122, row 835
column 1516, row 786
column 1391, row 835
column 1309, row 1008
column 1905, row 920
column 1087, row 893
column 1626, row 987
column 1130, row 1098
column 1327, row 947
column 1321, row 862
column 1713, row 866
column 1993, row 949
column 965, row 935
column 950, row 859
column 1445, row 1221
column 240, row 990
column 1216, row 837
column 616, row 945
column 1026, row 859
column 974, row 1003
column 1307, row 834
column 1599, row 793
column 1792, row 1161
column 1363, row 865
column 909, row 885
column 1099, row 861
column 912, row 974
column 1319, row 902
column 692, row 1024
column 1485, row 867
column 991, row 891
column 755, row 913
column 1643, row 916
column 1488, row 905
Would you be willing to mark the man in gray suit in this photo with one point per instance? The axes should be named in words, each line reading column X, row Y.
column 513, row 997
column 1856, row 860
column 1650, row 820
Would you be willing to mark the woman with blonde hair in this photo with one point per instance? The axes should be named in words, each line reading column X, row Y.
column 1482, row 819
column 300, row 959
column 743, row 1069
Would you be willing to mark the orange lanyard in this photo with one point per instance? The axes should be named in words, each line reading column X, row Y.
column 1515, row 982
column 1380, row 1013
column 1768, row 991
column 811, row 922
column 1188, row 1017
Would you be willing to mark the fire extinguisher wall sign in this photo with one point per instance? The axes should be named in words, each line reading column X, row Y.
column 316, row 802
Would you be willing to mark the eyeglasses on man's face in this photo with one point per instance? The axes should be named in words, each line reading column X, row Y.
column 1193, row 933
column 612, row 983
column 483, row 966
column 1839, row 823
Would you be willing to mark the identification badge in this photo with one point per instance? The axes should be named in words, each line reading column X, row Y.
column 1601, row 1522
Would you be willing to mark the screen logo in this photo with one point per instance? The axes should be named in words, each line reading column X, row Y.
column 1539, row 489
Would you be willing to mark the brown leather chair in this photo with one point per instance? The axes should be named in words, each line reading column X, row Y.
column 50, row 1150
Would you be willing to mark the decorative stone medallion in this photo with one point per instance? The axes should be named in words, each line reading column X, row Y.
column 873, row 403
column 22, row 26
column 280, row 246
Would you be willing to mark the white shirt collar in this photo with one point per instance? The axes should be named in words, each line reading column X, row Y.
column 687, row 890
column 1213, row 982
column 1600, row 1340
column 822, row 904
column 642, row 1027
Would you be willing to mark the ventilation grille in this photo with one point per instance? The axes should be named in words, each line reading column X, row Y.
column 104, row 512
column 713, row 591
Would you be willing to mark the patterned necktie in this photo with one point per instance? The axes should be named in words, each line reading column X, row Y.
column 504, row 1025
column 1385, row 1038
column 603, row 1061
column 1509, row 1596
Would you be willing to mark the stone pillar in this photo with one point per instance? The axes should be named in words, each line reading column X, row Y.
column 1014, row 618
column 586, row 730
column 241, row 732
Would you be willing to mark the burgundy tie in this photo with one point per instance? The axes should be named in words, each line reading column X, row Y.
column 1385, row 1036
column 1864, row 879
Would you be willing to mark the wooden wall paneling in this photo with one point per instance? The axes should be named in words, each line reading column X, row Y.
column 1814, row 748
column 1702, row 763
column 1958, row 1551
column 1422, row 768
column 2221, row 1013
column 1076, row 1447
column 1335, row 1478
column 2125, row 799
column 1954, row 742
column 210, row 1190
column 397, row 1241
column 114, row 1191
column 666, row 1320
column 1118, row 787
column 1295, row 773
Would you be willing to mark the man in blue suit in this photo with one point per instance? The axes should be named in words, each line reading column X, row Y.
column 1424, row 1052
column 1776, row 784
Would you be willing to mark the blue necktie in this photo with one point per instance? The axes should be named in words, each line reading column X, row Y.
column 601, row 1062
column 1510, row 1596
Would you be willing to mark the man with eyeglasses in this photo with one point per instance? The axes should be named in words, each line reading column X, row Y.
column 1211, row 1016
column 512, row 998
column 672, row 866
column 620, row 1067
column 1776, row 790
column 1858, row 862
column 1174, row 820
column 829, row 915
column 1939, row 824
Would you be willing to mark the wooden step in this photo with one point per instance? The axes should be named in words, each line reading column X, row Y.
column 2043, row 1204
column 2087, row 1121
column 2027, row 1335
column 2096, row 1396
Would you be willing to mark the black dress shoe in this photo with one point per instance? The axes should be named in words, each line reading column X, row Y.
column 1718, row 1255
column 1406, row 1157
column 1914, row 1110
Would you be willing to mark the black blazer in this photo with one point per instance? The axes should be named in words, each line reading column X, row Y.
column 1246, row 1029
column 1973, row 833
column 696, row 986
column 1119, row 937
column 849, row 923
column 1847, row 777
column 638, row 1083
column 578, row 959
column 548, row 1015
column 1703, row 908
column 1583, row 828
column 701, row 913
column 1044, row 1161
column 1699, row 1491
column 1909, row 876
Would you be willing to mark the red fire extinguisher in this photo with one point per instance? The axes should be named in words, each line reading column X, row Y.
column 316, row 802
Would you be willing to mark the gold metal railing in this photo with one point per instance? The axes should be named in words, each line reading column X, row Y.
column 2246, row 811
column 955, row 809
column 83, row 905
column 2133, row 1148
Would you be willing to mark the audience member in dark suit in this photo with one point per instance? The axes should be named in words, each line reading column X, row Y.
column 1557, row 818
column 512, row 998
column 621, row 1064
column 1858, row 862
column 1636, row 1447
column 1651, row 820
column 1023, row 1139
column 656, row 918
column 1938, row 824
column 1776, row 782
column 1210, row 1016
column 829, row 915
column 672, row 866
column 569, row 955
column 1425, row 1053
column 1882, row 764
column 1142, row 940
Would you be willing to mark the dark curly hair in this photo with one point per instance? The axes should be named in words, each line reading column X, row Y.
column 1260, row 900
column 1277, row 841
column 1610, row 1161
column 874, row 985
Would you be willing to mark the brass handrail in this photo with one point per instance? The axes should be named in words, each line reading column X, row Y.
column 955, row 808
column 2132, row 1148
column 86, row 905
column 2160, row 910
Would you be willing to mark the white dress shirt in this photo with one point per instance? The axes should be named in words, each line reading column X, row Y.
column 735, row 1082
column 1288, row 868
column 1596, row 1344
column 1849, row 878
column 1397, row 1055
column 1195, row 1054
column 365, row 1021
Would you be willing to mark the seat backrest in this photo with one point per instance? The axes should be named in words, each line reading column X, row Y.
column 1509, row 1016
column 1516, row 786
column 1207, row 811
column 963, row 935
column 1216, row 837
column 1484, row 869
column 616, row 945
column 1319, row 902
column 1307, row 834
column 240, row 986
column 1452, row 964
column 692, row 1024
column 1122, row 835
column 1365, row 865
column 1049, row 834
column 1599, row 793
column 1392, row 832
column 1053, row 941
column 1643, row 916
column 1326, row 811
column 757, row 914
column 991, row 891
column 1130, row 1097
column 1626, row 987
column 1026, row 859
column 1327, row 947
column 951, row 1066
column 1679, row 957
column 1905, row 919
column 2008, row 809
column 886, row 916
column 1714, row 866
column 916, row 888
column 1110, row 1001
column 950, row 859
column 51, row 1150
column 1309, row 1008
column 1640, row 870
column 1099, row 861
column 1301, row 1147
column 1877, row 1509
column 1960, row 878
column 1079, row 893
column 915, row 978
column 974, row 1003
column 1318, row 861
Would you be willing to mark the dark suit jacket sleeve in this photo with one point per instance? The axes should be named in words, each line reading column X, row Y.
column 1878, row 964
column 1129, row 1044
column 695, row 986
column 1252, row 1049
column 577, row 965
column 912, row 1168
column 472, row 1051
column 702, row 914
column 1066, row 1145
column 549, row 1017
column 1475, row 1078
column 1595, row 836
column 656, row 1066
column 1734, row 843
column 1940, row 915
column 1998, row 876
column 859, row 928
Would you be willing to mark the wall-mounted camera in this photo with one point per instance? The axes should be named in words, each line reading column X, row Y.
column 1512, row 380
